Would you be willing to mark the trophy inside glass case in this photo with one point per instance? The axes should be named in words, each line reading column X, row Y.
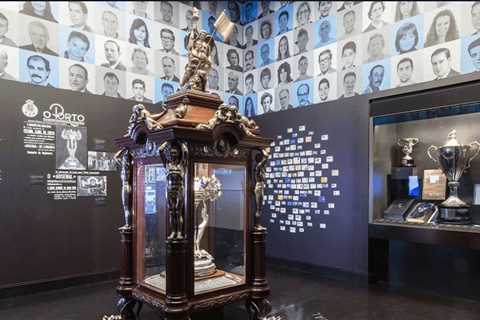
column 219, row 246
column 152, row 245
column 425, row 169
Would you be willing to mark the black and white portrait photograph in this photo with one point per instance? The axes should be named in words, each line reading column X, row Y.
column 266, row 102
column 110, row 53
column 349, row 53
column 325, row 9
column 325, row 59
column 78, row 15
column 45, row 10
column 407, row 69
column 249, row 81
column 442, row 61
column 234, row 100
column 39, row 36
column 376, row 46
column 77, row 76
column 140, row 88
column 349, row 22
column 348, row 83
column 377, row 14
column 110, row 22
column 139, row 31
column 140, row 60
column 249, row 59
column 303, row 67
column 284, row 72
column 265, row 53
column 265, row 28
column 303, row 39
column 110, row 82
column 376, row 76
column 304, row 13
column 77, row 45
column 265, row 8
column 442, row 25
column 212, row 8
column 38, row 69
column 249, row 11
column 407, row 35
column 250, row 38
column 217, row 56
column 471, row 17
column 167, row 40
column 142, row 9
column 234, row 82
column 8, row 28
column 9, row 67
column 283, row 19
column 265, row 78
column 233, row 11
column 70, row 148
column 215, row 79
column 101, row 161
column 166, row 12
column 91, row 186
column 283, row 97
column 325, row 88
column 407, row 9
column 234, row 58
column 324, row 31
column 249, row 108
column 185, row 14
column 284, row 46
column 167, row 67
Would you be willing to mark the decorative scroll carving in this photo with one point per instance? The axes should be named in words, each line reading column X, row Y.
column 175, row 158
column 229, row 114
column 124, row 160
column 259, row 309
column 219, row 301
column 260, row 184
column 149, row 149
column 154, row 302
column 214, row 151
column 141, row 114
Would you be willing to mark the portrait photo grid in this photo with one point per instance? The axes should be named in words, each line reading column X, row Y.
column 309, row 52
column 132, row 50
column 281, row 54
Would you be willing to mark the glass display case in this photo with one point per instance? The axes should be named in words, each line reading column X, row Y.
column 193, row 180
column 424, row 169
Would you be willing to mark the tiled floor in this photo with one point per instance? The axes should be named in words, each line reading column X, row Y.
column 295, row 296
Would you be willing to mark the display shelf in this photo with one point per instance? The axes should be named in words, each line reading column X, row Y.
column 432, row 226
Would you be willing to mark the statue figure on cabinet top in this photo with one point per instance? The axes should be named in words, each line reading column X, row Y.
column 200, row 46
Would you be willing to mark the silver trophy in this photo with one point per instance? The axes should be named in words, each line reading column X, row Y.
column 207, row 190
column 453, row 159
column 407, row 145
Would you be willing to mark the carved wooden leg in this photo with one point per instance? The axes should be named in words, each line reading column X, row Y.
column 125, row 307
column 258, row 309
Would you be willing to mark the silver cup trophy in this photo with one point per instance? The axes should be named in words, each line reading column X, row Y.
column 453, row 159
column 407, row 145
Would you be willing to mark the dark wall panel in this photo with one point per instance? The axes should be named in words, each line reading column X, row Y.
column 43, row 238
column 343, row 244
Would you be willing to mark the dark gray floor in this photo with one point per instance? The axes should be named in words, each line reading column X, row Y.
column 295, row 296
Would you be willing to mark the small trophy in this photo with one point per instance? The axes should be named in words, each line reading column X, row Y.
column 453, row 159
column 407, row 145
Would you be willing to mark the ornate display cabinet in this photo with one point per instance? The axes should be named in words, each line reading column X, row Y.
column 193, row 180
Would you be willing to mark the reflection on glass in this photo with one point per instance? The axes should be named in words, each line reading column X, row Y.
column 219, row 249
column 154, row 203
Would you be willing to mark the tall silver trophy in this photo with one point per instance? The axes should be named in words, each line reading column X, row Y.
column 453, row 158
column 207, row 190
column 407, row 145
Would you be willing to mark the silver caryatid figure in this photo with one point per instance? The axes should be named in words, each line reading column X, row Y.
column 453, row 158
column 207, row 190
column 407, row 145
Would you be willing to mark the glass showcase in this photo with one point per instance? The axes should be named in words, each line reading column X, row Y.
column 425, row 171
